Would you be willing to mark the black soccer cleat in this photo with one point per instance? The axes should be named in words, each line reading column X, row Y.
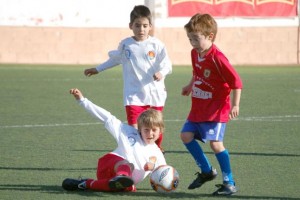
column 74, row 184
column 120, row 182
column 225, row 190
column 202, row 178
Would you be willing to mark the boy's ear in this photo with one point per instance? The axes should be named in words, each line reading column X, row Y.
column 130, row 25
column 211, row 36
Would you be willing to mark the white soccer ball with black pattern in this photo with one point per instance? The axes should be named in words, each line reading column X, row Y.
column 164, row 179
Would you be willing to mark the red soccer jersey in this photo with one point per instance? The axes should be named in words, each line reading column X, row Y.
column 214, row 77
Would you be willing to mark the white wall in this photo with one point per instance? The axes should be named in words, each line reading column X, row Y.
column 66, row 13
column 107, row 13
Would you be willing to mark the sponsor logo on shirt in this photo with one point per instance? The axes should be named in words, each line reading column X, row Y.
column 201, row 94
column 203, row 81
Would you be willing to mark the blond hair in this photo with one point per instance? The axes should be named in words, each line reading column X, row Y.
column 151, row 118
column 203, row 23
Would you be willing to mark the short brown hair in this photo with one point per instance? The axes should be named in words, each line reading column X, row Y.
column 203, row 23
column 151, row 118
column 140, row 11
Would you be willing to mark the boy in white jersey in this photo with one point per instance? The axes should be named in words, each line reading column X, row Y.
column 134, row 158
column 145, row 65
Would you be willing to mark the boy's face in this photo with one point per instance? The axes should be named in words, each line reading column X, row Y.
column 199, row 41
column 141, row 28
column 150, row 135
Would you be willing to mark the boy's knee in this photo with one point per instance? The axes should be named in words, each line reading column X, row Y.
column 124, row 162
column 217, row 146
column 186, row 137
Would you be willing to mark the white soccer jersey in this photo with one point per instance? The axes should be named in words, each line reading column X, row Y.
column 140, row 61
column 130, row 144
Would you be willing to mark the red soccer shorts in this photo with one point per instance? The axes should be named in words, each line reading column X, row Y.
column 133, row 112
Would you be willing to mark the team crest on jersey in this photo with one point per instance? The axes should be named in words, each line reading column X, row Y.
column 151, row 55
column 206, row 73
column 127, row 53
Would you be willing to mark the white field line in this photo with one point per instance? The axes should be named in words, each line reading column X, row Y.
column 283, row 118
column 48, row 125
column 271, row 118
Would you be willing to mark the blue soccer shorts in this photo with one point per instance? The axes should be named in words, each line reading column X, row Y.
column 205, row 131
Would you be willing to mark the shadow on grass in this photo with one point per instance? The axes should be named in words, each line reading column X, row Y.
column 142, row 193
column 53, row 189
column 177, row 195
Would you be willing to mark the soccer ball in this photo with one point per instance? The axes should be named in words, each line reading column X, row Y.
column 164, row 179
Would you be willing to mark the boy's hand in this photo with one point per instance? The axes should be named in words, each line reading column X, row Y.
column 236, row 95
column 149, row 166
column 186, row 90
column 157, row 76
column 76, row 93
column 234, row 112
column 90, row 72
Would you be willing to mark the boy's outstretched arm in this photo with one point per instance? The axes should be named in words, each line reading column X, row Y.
column 100, row 113
column 76, row 93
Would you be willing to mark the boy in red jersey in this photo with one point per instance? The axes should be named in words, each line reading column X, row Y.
column 213, row 80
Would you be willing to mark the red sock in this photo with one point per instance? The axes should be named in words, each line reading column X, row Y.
column 98, row 185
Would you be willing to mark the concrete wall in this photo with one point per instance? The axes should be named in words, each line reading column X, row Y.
column 53, row 45
column 255, row 46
